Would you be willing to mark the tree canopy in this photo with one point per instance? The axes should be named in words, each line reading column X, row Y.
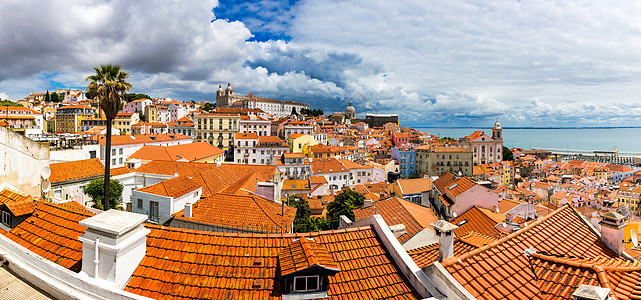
column 55, row 98
column 344, row 203
column 208, row 106
column 303, row 221
column 507, row 154
column 311, row 112
column 95, row 190
column 135, row 96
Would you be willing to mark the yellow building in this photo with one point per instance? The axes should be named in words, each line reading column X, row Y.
column 68, row 118
column 630, row 195
column 151, row 113
column 216, row 129
column 123, row 122
column 300, row 142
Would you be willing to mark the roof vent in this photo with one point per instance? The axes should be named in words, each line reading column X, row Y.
column 590, row 292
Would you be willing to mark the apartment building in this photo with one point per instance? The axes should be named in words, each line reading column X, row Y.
column 434, row 161
column 217, row 129
column 69, row 118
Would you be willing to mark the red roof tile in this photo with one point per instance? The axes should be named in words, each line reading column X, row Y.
column 304, row 254
column 21, row 207
column 250, row 213
column 52, row 232
column 78, row 169
column 189, row 152
column 426, row 255
column 501, row 269
column 395, row 211
column 209, row 265
column 174, row 187
column 480, row 220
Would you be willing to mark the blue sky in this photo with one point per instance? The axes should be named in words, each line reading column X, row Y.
column 435, row 63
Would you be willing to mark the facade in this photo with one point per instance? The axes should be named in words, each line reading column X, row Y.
column 298, row 142
column 151, row 113
column 22, row 117
column 123, row 122
column 159, row 201
column 406, row 157
column 136, row 106
column 69, row 118
column 378, row 120
column 124, row 146
column 184, row 126
column 434, row 161
column 255, row 124
column 293, row 166
column 217, row 129
column 485, row 149
column 245, row 148
column 227, row 98
column 300, row 127
column 269, row 149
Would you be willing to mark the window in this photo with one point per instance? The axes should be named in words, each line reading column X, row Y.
column 113, row 151
column 139, row 203
column 6, row 218
column 120, row 160
column 153, row 211
column 306, row 283
column 120, row 151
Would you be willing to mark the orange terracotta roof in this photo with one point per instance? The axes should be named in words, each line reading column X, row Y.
column 233, row 178
column 8, row 195
column 52, row 232
column 245, row 136
column 21, row 207
column 119, row 171
column 506, row 205
column 174, row 187
column 426, row 255
column 296, row 135
column 245, row 212
column 190, row 152
column 395, row 210
column 271, row 139
column 480, row 220
column 451, row 187
column 190, row 169
column 415, row 185
column 143, row 139
column 317, row 179
column 295, row 184
column 304, row 254
column 183, row 263
column 78, row 169
column 478, row 134
column 501, row 269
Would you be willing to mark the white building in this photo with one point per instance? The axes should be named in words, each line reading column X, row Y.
column 255, row 124
column 161, row 200
column 226, row 98
column 485, row 149
column 122, row 146
column 136, row 106
column 293, row 166
column 301, row 127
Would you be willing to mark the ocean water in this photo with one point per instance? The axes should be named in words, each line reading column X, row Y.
column 602, row 139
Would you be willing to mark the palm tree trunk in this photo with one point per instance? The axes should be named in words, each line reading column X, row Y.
column 105, row 202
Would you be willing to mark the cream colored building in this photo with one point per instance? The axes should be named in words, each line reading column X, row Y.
column 217, row 129
column 485, row 149
column 435, row 161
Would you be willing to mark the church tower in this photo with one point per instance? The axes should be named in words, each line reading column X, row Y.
column 497, row 131
column 224, row 98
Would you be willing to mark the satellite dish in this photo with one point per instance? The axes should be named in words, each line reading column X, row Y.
column 497, row 210
column 45, row 173
column 176, row 174
column 504, row 225
column 635, row 239
column 454, row 214
column 45, row 185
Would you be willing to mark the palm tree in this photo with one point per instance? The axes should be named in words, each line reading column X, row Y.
column 110, row 87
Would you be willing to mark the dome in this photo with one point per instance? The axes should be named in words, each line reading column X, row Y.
column 220, row 87
column 497, row 124
column 350, row 110
column 229, row 86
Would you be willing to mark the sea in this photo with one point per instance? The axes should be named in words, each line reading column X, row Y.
column 627, row 140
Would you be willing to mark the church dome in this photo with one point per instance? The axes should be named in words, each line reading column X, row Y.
column 350, row 110
column 497, row 125
column 229, row 86
column 220, row 88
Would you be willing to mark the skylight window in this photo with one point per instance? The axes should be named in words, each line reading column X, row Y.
column 452, row 186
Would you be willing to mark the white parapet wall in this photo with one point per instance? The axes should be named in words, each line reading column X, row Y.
column 57, row 281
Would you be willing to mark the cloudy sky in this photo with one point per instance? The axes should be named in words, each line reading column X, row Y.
column 435, row 63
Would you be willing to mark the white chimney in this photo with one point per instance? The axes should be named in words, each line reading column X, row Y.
column 444, row 231
column 590, row 292
column 113, row 245
column 267, row 190
column 613, row 230
column 398, row 230
column 188, row 207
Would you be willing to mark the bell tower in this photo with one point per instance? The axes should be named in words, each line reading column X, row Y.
column 497, row 131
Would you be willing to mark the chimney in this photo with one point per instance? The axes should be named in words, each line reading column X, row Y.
column 398, row 230
column 188, row 207
column 367, row 203
column 590, row 292
column 612, row 231
column 113, row 245
column 267, row 190
column 444, row 231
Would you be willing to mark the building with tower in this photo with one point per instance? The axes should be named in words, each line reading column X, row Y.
column 350, row 111
column 227, row 98
column 485, row 149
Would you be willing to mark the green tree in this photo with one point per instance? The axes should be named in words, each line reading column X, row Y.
column 9, row 103
column 209, row 106
column 110, row 85
column 95, row 190
column 90, row 94
column 135, row 96
column 294, row 111
column 507, row 154
column 55, row 97
column 344, row 203
column 47, row 97
column 302, row 213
